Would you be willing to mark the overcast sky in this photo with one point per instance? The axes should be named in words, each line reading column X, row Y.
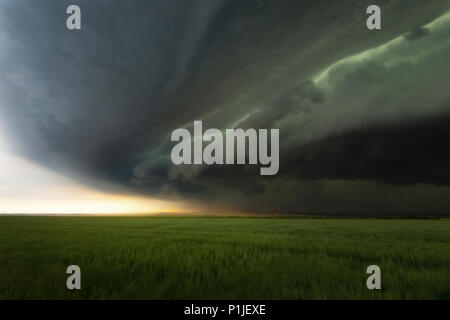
column 364, row 116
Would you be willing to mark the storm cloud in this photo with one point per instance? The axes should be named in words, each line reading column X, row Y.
column 361, row 113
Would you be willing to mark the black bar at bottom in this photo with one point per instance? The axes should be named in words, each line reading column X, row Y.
column 229, row 309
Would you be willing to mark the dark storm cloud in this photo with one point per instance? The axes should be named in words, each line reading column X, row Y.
column 416, row 33
column 101, row 102
column 85, row 96
column 405, row 153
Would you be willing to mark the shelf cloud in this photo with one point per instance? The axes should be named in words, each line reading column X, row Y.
column 364, row 116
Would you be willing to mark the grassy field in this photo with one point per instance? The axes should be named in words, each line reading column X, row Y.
column 223, row 258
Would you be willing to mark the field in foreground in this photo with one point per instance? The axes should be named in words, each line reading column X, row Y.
column 223, row 258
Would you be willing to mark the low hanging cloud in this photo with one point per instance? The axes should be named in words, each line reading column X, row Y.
column 351, row 104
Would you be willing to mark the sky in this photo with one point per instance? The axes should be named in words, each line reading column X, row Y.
column 86, row 116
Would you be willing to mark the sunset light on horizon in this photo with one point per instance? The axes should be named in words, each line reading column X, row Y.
column 27, row 188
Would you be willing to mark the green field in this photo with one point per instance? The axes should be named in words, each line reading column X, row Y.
column 223, row 258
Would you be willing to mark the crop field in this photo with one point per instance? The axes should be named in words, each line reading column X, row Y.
column 223, row 258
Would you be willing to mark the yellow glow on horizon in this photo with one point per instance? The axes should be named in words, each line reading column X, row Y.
column 28, row 188
column 87, row 202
